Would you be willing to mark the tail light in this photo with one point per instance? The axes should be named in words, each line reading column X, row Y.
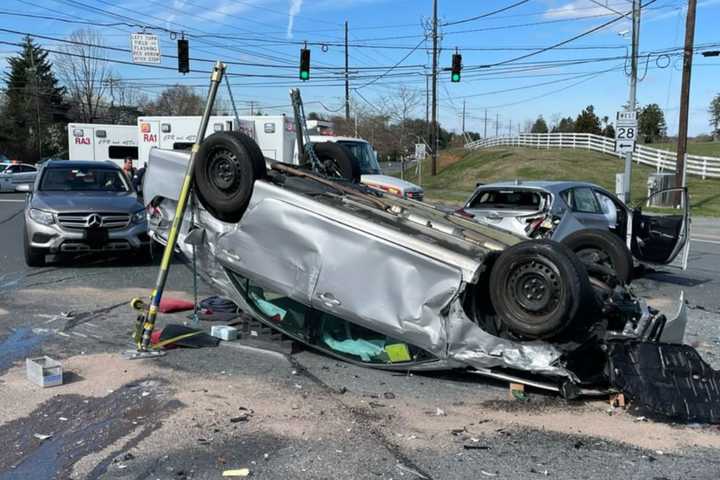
column 533, row 224
column 464, row 213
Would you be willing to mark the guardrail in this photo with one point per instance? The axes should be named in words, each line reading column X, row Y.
column 660, row 159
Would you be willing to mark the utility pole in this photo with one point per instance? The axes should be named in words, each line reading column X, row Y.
column 463, row 121
column 497, row 124
column 434, row 144
column 252, row 108
column 347, row 77
column 632, row 100
column 485, row 125
column 685, row 97
column 34, row 70
column 427, row 110
column 510, row 128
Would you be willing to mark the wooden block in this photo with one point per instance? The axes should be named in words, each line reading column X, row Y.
column 617, row 400
column 515, row 387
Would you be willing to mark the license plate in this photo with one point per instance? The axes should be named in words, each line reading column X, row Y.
column 96, row 237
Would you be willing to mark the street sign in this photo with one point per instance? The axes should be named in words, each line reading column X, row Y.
column 627, row 116
column 626, row 131
column 420, row 151
column 145, row 48
column 624, row 146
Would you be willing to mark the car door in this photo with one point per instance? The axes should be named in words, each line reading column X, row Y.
column 585, row 208
column 660, row 238
column 6, row 178
column 25, row 174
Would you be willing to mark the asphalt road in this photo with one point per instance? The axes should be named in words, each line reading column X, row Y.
column 196, row 413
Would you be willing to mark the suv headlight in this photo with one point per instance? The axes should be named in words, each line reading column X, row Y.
column 41, row 216
column 138, row 217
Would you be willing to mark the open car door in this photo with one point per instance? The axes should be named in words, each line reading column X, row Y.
column 660, row 238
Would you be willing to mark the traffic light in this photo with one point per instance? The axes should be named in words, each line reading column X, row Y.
column 456, row 67
column 304, row 64
column 183, row 49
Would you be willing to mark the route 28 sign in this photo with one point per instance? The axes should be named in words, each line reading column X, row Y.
column 626, row 131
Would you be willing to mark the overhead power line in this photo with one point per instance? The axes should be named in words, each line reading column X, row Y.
column 393, row 67
column 564, row 42
column 485, row 15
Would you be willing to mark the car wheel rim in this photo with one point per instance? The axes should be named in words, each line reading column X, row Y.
column 535, row 287
column 224, row 170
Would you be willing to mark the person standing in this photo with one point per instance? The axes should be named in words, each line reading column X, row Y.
column 128, row 168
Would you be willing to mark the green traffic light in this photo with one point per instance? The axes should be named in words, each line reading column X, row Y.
column 455, row 77
column 304, row 75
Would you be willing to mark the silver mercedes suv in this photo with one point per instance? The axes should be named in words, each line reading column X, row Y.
column 82, row 206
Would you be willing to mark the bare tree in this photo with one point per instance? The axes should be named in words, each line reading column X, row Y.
column 84, row 72
column 402, row 106
column 177, row 100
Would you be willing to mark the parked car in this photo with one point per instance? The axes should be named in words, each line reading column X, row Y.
column 82, row 206
column 591, row 221
column 16, row 174
column 386, row 282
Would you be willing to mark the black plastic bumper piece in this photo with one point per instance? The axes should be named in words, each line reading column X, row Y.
column 666, row 382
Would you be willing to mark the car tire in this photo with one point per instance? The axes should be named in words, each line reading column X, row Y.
column 339, row 160
column 34, row 257
column 605, row 256
column 226, row 167
column 539, row 290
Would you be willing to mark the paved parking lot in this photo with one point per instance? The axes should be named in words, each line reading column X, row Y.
column 196, row 413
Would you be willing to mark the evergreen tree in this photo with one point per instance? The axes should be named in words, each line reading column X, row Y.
column 588, row 122
column 566, row 125
column 539, row 126
column 33, row 105
column 651, row 123
column 715, row 116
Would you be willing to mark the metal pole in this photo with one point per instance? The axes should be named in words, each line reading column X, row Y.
column 347, row 78
column 147, row 324
column 426, row 141
column 685, row 96
column 485, row 127
column 632, row 100
column 434, row 143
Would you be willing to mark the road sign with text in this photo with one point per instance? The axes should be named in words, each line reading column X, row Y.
column 145, row 48
column 626, row 131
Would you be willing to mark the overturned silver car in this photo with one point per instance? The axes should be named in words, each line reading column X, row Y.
column 393, row 283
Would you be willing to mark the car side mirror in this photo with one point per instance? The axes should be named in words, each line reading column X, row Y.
column 24, row 188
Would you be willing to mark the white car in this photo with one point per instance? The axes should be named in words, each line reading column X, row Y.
column 370, row 172
column 16, row 174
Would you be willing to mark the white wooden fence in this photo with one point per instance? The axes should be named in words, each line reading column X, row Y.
column 660, row 159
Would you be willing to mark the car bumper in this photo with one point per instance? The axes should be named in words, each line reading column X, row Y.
column 54, row 239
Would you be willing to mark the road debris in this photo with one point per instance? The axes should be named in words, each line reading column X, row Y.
column 44, row 371
column 42, row 436
column 240, row 472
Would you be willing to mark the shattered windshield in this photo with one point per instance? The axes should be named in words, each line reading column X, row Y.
column 507, row 199
column 365, row 156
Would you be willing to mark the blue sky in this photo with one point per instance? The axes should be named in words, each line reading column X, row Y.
column 386, row 33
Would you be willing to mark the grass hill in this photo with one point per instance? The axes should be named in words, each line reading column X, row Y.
column 459, row 172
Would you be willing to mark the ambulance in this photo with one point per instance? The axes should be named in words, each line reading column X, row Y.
column 95, row 141
column 274, row 133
